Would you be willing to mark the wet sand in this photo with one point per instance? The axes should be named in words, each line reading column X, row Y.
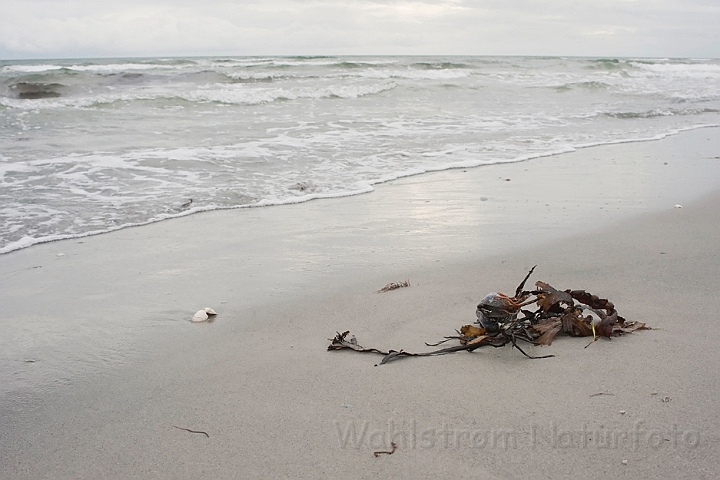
column 101, row 362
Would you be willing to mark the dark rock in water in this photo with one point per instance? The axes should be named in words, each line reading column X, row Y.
column 32, row 91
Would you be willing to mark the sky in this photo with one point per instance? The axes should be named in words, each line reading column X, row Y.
column 36, row 29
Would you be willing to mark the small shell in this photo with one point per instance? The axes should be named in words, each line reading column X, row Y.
column 210, row 311
column 200, row 316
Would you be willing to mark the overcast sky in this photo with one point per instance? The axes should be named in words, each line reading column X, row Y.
column 125, row 28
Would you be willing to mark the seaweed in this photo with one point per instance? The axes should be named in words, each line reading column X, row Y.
column 502, row 320
column 394, row 286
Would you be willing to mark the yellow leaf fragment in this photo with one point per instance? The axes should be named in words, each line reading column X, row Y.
column 471, row 330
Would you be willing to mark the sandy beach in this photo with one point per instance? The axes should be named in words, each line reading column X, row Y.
column 100, row 363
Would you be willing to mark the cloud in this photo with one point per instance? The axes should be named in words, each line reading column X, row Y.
column 413, row 10
column 83, row 28
column 611, row 30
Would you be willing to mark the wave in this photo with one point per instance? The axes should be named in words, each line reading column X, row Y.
column 241, row 96
column 588, row 85
column 659, row 136
column 100, row 68
column 661, row 113
column 30, row 91
column 681, row 70
column 253, row 77
column 611, row 64
column 353, row 64
column 226, row 94
column 423, row 74
column 30, row 68
column 59, row 103
column 440, row 65
column 352, row 70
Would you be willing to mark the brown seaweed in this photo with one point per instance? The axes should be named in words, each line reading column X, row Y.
column 394, row 286
column 556, row 311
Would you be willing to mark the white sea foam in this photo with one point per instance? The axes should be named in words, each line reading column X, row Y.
column 410, row 74
column 100, row 68
column 683, row 70
column 79, row 102
column 122, row 67
column 29, row 68
column 239, row 94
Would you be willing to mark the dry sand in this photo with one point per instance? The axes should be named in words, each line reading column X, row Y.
column 100, row 360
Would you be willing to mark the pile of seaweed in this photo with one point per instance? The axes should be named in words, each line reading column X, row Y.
column 535, row 317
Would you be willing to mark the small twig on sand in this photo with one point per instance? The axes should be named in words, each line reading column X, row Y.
column 602, row 393
column 192, row 431
column 394, row 286
column 394, row 446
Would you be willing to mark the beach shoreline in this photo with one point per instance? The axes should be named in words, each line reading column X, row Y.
column 111, row 143
column 104, row 323
column 368, row 188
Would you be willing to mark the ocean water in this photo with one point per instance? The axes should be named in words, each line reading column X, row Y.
column 90, row 146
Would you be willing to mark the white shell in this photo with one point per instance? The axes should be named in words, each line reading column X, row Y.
column 210, row 311
column 200, row 316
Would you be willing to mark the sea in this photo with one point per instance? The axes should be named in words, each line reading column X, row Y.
column 94, row 145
